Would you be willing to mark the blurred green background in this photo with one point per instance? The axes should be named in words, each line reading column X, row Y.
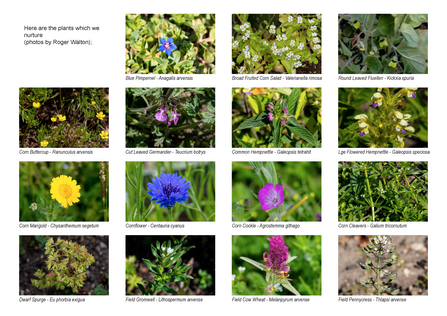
column 305, row 270
column 300, row 179
column 35, row 181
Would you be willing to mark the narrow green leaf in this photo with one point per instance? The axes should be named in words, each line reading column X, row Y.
column 252, row 262
column 292, row 101
column 277, row 133
column 257, row 121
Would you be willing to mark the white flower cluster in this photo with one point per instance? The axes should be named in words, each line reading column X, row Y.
column 318, row 16
column 300, row 19
column 314, row 34
column 272, row 29
column 235, row 44
column 241, row 70
column 255, row 58
column 296, row 57
column 316, row 40
column 244, row 27
column 311, row 21
column 242, row 269
column 313, row 28
column 292, row 43
column 281, row 37
column 266, row 43
column 289, row 55
column 301, row 46
column 318, row 46
column 245, row 50
column 297, row 64
column 290, row 18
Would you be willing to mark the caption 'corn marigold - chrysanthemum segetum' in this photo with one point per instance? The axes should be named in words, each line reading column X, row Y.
column 65, row 190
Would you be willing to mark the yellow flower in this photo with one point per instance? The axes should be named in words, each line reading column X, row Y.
column 392, row 64
column 357, row 25
column 53, row 119
column 44, row 143
column 62, row 118
column 36, row 105
column 65, row 191
column 104, row 135
column 100, row 115
column 93, row 102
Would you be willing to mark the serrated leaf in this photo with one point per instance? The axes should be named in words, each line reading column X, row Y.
column 257, row 121
column 292, row 101
column 277, row 133
column 301, row 131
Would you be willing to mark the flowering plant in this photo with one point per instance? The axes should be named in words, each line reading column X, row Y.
column 170, row 117
column 378, row 249
column 170, row 43
column 167, row 267
column 275, row 265
column 386, row 121
column 389, row 44
column 277, row 118
column 284, row 44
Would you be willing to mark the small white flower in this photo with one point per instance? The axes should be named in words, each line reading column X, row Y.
column 272, row 29
column 296, row 57
column 314, row 34
column 290, row 19
column 241, row 70
column 318, row 16
column 266, row 43
column 235, row 44
column 241, row 269
column 297, row 64
column 279, row 37
column 244, row 38
column 300, row 19
column 170, row 250
column 255, row 58
column 311, row 21
column 301, row 46
column 317, row 46
column 316, row 40
column 313, row 28
column 292, row 43
column 247, row 55
column 233, row 63
column 233, row 276
column 246, row 48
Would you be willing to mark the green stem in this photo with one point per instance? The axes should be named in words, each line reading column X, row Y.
column 370, row 194
column 183, row 126
column 411, row 189
column 170, row 215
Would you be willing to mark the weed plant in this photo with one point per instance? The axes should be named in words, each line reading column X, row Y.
column 272, row 43
column 276, row 117
column 170, row 117
column 63, row 117
column 383, row 191
column 170, row 43
column 300, row 184
column 383, row 117
column 305, row 269
column 37, row 200
column 197, row 189
column 383, row 43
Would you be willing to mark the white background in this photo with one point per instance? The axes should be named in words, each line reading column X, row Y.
column 102, row 65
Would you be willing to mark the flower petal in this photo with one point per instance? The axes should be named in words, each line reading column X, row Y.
column 161, row 48
column 168, row 51
column 173, row 46
column 170, row 40
column 162, row 41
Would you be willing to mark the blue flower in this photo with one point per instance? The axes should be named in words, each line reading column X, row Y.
column 169, row 189
column 167, row 45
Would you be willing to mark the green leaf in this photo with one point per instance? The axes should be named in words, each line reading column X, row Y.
column 386, row 24
column 175, row 56
column 365, row 267
column 167, row 289
column 257, row 121
column 412, row 59
column 292, row 101
column 142, row 289
column 252, row 262
column 290, row 287
column 373, row 63
column 301, row 131
column 277, row 133
column 395, row 292
column 345, row 50
column 288, row 65
column 410, row 35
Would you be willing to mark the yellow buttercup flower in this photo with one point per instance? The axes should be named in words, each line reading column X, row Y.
column 104, row 135
column 43, row 143
column 62, row 118
column 65, row 190
column 100, row 115
column 93, row 102
column 36, row 105
column 53, row 119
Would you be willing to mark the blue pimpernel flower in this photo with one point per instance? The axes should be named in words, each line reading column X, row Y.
column 167, row 45
column 169, row 189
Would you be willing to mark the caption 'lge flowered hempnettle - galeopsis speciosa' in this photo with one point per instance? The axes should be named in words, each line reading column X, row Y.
column 388, row 117
column 271, row 43
column 383, row 44
column 170, row 43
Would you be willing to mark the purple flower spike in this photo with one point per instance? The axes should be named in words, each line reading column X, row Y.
column 175, row 116
column 270, row 107
column 374, row 104
column 276, row 259
column 161, row 115
column 271, row 117
column 271, row 196
column 167, row 45
column 285, row 111
column 361, row 134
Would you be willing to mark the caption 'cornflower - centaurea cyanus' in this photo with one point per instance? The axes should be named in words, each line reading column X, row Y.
column 168, row 189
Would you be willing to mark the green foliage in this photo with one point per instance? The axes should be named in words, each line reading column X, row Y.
column 378, row 250
column 167, row 267
column 275, row 43
column 386, row 117
column 99, row 290
column 199, row 207
column 389, row 44
column 302, row 190
column 276, row 117
column 195, row 127
column 205, row 280
column 383, row 191
column 131, row 273
column 193, row 34
column 63, row 117
column 67, row 262
column 35, row 197
column 305, row 268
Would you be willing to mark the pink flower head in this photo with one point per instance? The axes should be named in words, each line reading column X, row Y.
column 270, row 107
column 271, row 117
column 283, row 122
column 285, row 111
column 271, row 196
column 276, row 259
column 161, row 115
column 175, row 116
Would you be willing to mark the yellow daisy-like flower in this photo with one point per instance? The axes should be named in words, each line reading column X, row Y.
column 53, row 119
column 93, row 102
column 36, row 105
column 62, row 118
column 65, row 191
column 44, row 143
column 104, row 135
column 100, row 115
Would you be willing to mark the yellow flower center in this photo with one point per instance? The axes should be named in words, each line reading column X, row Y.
column 65, row 190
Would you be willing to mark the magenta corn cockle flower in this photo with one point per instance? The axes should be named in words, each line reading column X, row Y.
column 276, row 259
column 161, row 115
column 271, row 117
column 175, row 116
column 285, row 111
column 271, row 196
column 270, row 107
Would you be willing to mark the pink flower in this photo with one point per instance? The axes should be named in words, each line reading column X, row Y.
column 271, row 196
column 271, row 117
column 270, row 107
column 175, row 116
column 276, row 259
column 161, row 115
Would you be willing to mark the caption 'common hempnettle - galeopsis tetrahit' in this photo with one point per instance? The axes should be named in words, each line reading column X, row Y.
column 378, row 249
column 385, row 124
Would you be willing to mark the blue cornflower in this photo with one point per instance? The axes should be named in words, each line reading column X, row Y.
column 167, row 45
column 169, row 189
